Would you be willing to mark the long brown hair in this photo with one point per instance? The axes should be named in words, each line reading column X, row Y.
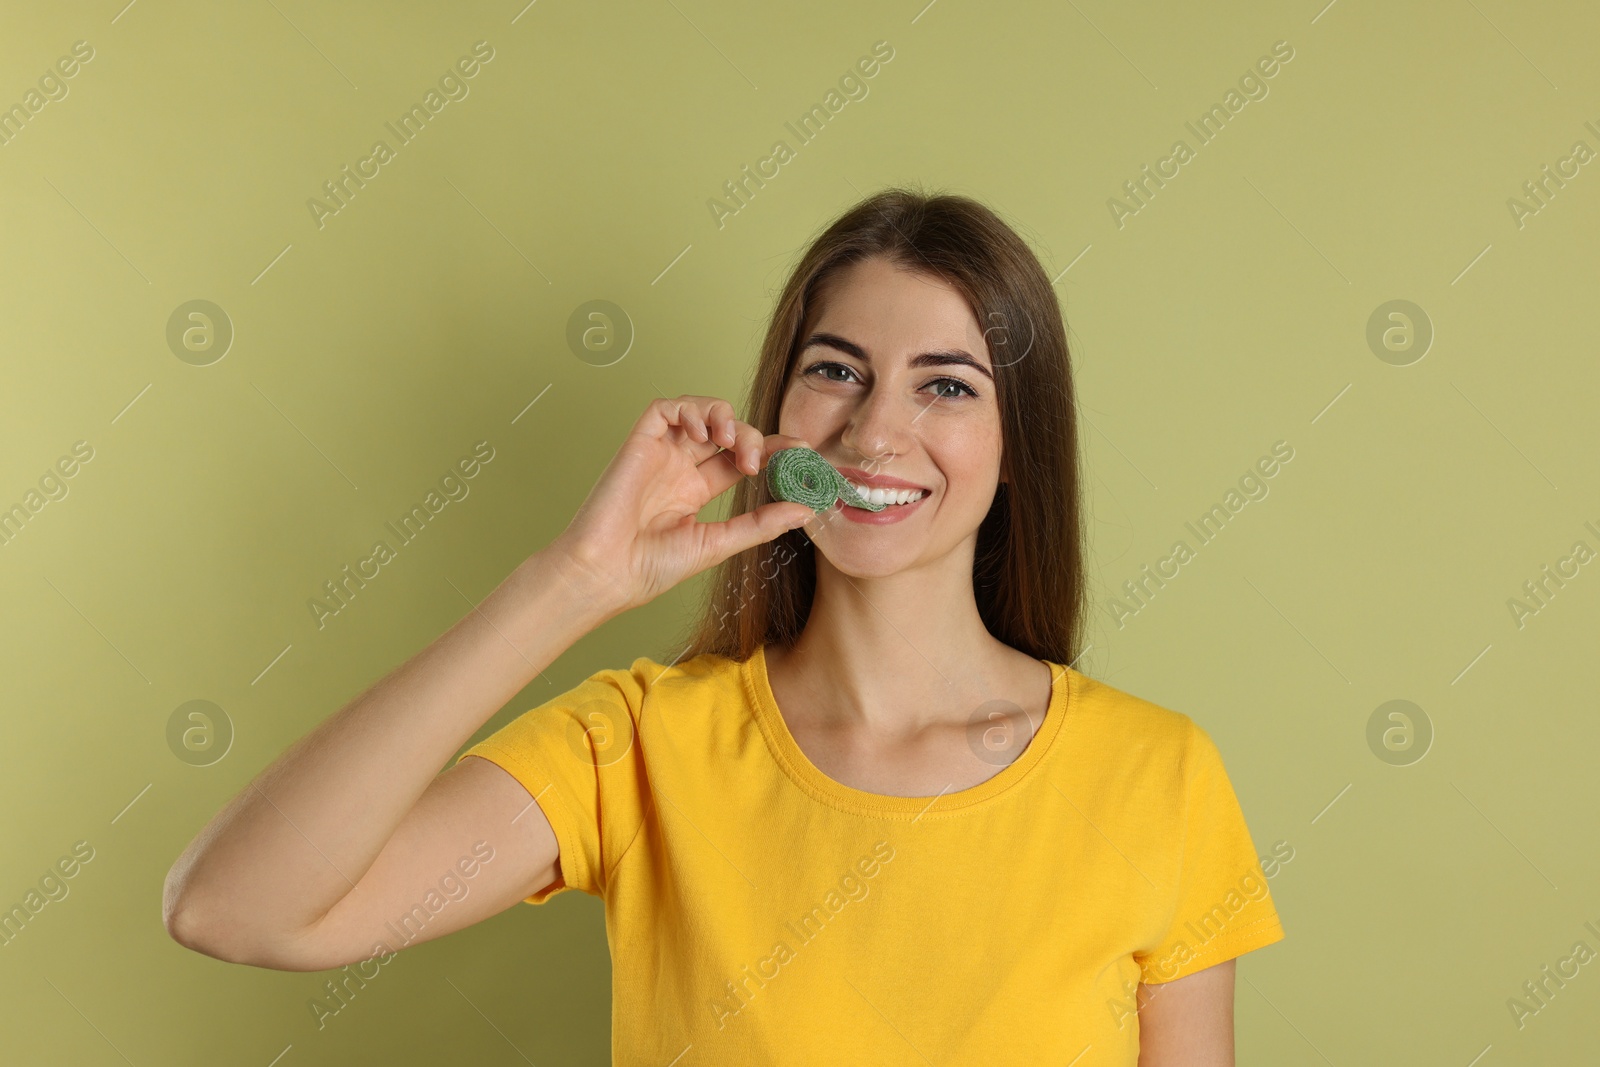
column 1028, row 568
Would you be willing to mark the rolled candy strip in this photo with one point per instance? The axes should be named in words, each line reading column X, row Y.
column 800, row 475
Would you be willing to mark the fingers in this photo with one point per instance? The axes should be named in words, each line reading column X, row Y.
column 709, row 420
column 724, row 539
column 705, row 420
column 697, row 418
column 719, row 470
column 720, row 414
column 744, row 444
column 777, row 442
column 717, row 415
column 747, row 449
column 694, row 423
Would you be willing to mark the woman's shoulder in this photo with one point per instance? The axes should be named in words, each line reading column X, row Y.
column 649, row 677
column 1127, row 722
column 1130, row 744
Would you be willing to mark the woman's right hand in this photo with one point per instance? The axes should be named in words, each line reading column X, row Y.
column 636, row 535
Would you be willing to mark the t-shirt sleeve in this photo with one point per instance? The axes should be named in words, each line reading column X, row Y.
column 1221, row 907
column 577, row 755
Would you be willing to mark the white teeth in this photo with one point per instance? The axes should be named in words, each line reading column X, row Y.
column 888, row 496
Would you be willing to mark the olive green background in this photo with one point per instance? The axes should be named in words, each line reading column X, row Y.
column 1231, row 312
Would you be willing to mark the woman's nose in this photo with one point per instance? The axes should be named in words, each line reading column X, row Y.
column 879, row 428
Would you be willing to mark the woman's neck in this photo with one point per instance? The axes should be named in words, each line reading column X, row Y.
column 901, row 651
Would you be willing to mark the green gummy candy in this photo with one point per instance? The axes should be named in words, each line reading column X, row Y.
column 800, row 475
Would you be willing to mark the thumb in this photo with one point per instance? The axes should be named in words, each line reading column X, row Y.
column 724, row 539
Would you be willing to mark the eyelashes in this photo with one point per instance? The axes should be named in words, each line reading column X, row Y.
column 962, row 387
column 959, row 384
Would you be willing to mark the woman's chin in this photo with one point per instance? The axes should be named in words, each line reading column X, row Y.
column 865, row 554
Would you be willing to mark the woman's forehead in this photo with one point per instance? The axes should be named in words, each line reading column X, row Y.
column 886, row 309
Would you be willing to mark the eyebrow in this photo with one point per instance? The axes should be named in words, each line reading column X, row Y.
column 949, row 357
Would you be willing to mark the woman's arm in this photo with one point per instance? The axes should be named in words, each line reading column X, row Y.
column 353, row 824
column 1188, row 1022
column 319, row 858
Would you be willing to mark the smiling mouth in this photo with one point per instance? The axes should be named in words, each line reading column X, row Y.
column 888, row 496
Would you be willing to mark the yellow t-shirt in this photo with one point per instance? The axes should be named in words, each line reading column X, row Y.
column 761, row 912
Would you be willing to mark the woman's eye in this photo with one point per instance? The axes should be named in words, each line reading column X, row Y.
column 958, row 386
column 944, row 388
column 823, row 369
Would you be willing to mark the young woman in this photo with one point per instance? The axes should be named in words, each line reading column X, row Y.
column 870, row 814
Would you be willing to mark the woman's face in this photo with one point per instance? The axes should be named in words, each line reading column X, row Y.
column 893, row 382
